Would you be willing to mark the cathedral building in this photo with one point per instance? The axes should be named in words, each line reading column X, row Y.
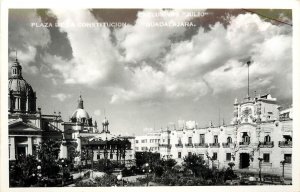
column 81, row 136
column 258, row 138
column 27, row 126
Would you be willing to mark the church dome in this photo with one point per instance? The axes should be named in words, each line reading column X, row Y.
column 19, row 85
column 80, row 113
column 21, row 96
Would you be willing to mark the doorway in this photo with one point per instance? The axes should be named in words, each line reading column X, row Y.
column 244, row 160
column 21, row 150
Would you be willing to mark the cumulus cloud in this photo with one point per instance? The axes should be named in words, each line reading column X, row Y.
column 94, row 57
column 141, row 42
column 61, row 96
column 269, row 47
column 216, row 54
column 155, row 64
column 25, row 39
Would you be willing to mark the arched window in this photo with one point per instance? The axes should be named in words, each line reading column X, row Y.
column 245, row 137
column 229, row 140
column 267, row 138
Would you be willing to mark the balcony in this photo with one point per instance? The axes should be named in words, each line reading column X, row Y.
column 244, row 143
column 285, row 144
column 214, row 145
column 179, row 145
column 201, row 145
column 165, row 146
column 226, row 145
column 266, row 144
column 189, row 145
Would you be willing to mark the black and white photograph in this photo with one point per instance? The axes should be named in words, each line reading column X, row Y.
column 147, row 97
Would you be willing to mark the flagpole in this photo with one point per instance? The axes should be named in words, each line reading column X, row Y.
column 248, row 64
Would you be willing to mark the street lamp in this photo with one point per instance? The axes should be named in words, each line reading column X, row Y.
column 39, row 175
column 260, row 160
column 62, row 177
column 283, row 162
column 147, row 170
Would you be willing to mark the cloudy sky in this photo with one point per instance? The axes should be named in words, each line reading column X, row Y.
column 143, row 76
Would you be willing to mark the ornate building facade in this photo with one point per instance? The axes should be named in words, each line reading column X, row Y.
column 85, row 138
column 259, row 137
column 27, row 127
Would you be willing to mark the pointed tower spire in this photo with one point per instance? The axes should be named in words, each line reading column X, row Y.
column 80, row 103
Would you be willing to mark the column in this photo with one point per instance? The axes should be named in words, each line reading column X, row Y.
column 29, row 144
column 12, row 148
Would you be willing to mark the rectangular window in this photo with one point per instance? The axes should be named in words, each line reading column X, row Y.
column 190, row 141
column 136, row 141
column 111, row 156
column 137, row 148
column 266, row 157
column 98, row 156
column 215, row 138
column 228, row 156
column 215, row 156
column 179, row 154
column 189, row 153
column 202, row 138
column 179, row 141
column 288, row 158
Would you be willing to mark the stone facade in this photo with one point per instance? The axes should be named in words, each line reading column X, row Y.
column 27, row 127
column 82, row 136
column 260, row 136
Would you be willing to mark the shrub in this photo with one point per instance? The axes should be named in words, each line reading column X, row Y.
column 106, row 180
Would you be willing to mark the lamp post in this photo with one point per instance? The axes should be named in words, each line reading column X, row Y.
column 283, row 162
column 147, row 170
column 62, row 177
column 260, row 160
column 39, row 175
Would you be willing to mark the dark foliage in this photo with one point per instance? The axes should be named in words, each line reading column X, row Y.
column 23, row 172
column 147, row 157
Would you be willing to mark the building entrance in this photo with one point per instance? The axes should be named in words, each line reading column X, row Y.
column 21, row 150
column 244, row 160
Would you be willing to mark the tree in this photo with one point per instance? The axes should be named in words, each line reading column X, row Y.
column 147, row 157
column 169, row 163
column 47, row 154
column 196, row 164
column 23, row 172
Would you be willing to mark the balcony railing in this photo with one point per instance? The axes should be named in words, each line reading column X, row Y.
column 189, row 145
column 226, row 145
column 214, row 145
column 165, row 146
column 244, row 143
column 201, row 145
column 285, row 144
column 266, row 144
column 179, row 145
